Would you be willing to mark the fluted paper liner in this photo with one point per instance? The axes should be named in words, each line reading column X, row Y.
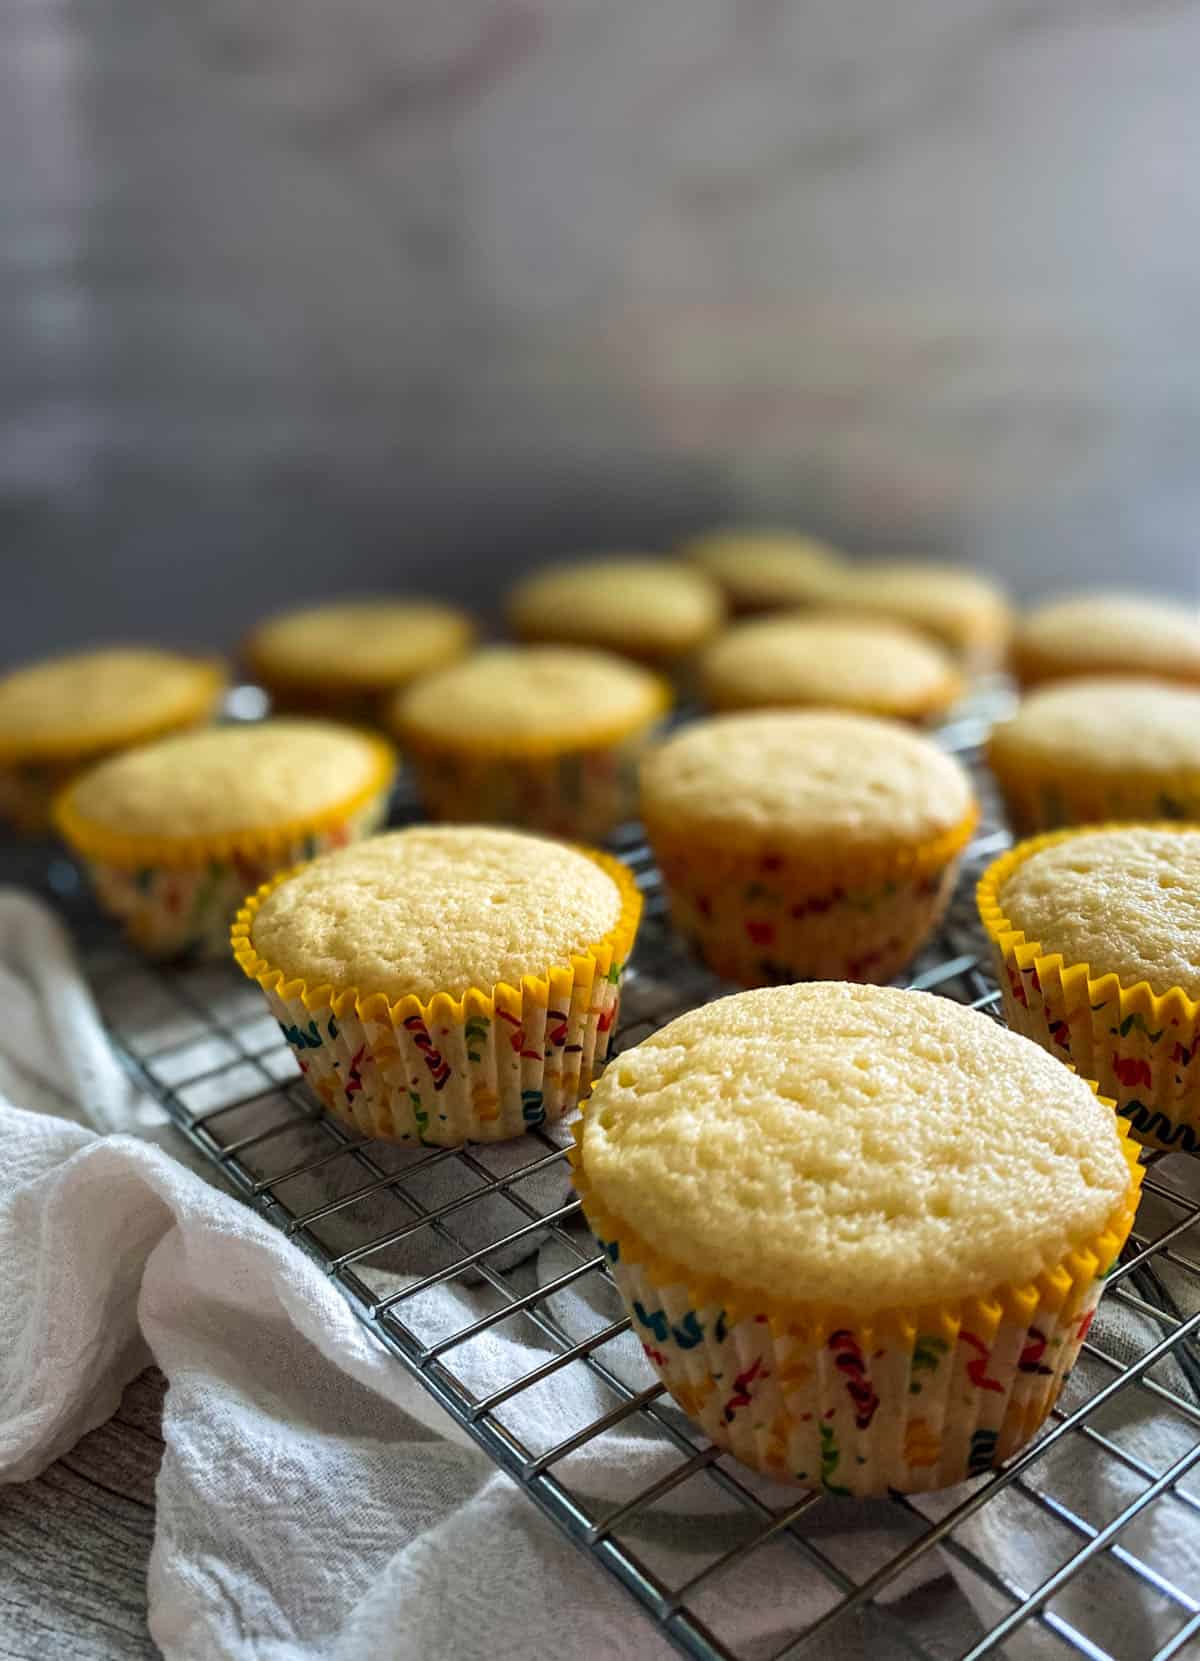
column 909, row 1399
column 1140, row 1047
column 827, row 913
column 482, row 1067
column 181, row 893
column 575, row 787
column 1044, row 795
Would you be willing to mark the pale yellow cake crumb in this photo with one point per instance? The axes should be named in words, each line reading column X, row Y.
column 861, row 1147
column 436, row 909
column 517, row 696
column 962, row 609
column 1108, row 633
column 1125, row 902
column 868, row 665
column 371, row 643
column 228, row 779
column 650, row 608
column 760, row 570
column 814, row 781
column 1103, row 725
column 96, row 699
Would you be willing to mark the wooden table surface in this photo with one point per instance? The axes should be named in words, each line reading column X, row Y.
column 74, row 1543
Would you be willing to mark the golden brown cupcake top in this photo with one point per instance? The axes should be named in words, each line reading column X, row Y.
column 97, row 700
column 1108, row 634
column 767, row 570
column 367, row 645
column 654, row 609
column 828, row 661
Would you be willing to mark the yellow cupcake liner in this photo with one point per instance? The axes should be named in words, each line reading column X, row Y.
column 910, row 1399
column 35, row 771
column 176, row 894
column 1140, row 1047
column 483, row 1066
column 764, row 918
column 581, row 788
column 1045, row 796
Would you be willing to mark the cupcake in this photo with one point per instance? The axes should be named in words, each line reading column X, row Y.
column 67, row 712
column 768, row 570
column 176, row 834
column 830, row 662
column 348, row 658
column 543, row 736
column 1082, row 751
column 961, row 609
column 799, row 846
column 1108, row 634
column 1096, row 937
column 445, row 983
column 861, row 1232
column 655, row 610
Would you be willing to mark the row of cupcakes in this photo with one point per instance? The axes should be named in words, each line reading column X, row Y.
column 896, row 641
column 795, row 844
column 551, row 736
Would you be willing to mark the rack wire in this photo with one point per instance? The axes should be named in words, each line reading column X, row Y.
column 1086, row 1544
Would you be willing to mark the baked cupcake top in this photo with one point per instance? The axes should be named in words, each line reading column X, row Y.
column 96, row 700
column 869, row 665
column 962, row 609
column 785, row 781
column 652, row 608
column 369, row 644
column 1108, row 633
column 522, row 698
column 760, row 570
column 1108, row 725
column 1126, row 902
column 436, row 909
column 225, row 781
column 858, row 1146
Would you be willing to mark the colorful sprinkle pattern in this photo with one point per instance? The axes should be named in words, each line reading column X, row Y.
column 168, row 910
column 457, row 1075
column 922, row 1404
column 765, row 921
column 1142, row 1051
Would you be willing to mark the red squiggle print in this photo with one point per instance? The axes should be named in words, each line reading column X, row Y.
column 1131, row 1071
column 977, row 1369
column 849, row 1361
column 741, row 1391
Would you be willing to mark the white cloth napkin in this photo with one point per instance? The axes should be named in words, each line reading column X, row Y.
column 314, row 1501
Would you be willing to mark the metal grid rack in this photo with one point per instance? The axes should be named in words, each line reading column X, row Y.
column 1079, row 1546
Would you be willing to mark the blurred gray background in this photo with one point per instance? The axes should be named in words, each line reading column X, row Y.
column 302, row 295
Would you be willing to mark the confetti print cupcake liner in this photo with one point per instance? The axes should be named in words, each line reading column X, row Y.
column 576, row 794
column 481, row 1067
column 33, row 778
column 180, row 894
column 1040, row 797
column 910, row 1400
column 769, row 918
column 581, row 791
column 1139, row 1047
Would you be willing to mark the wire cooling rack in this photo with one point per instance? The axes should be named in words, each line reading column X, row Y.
column 1087, row 1543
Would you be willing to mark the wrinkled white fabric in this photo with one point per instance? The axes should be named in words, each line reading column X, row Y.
column 315, row 1501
